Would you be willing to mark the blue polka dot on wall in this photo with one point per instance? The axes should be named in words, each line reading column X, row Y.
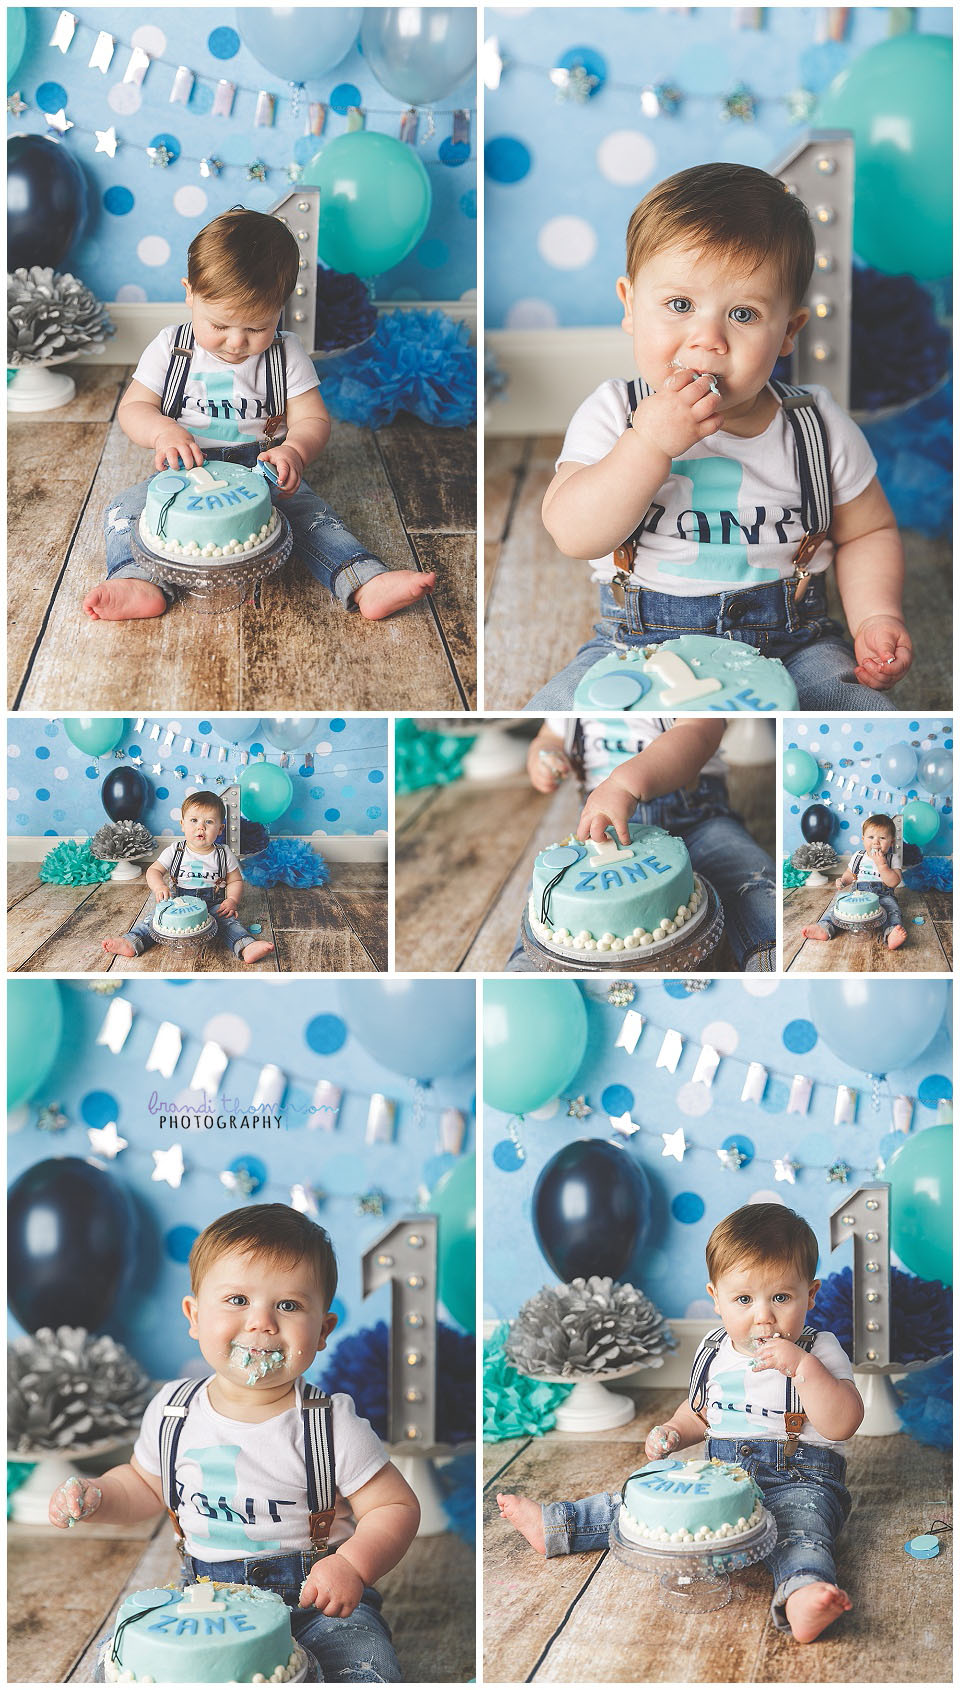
column 223, row 43
column 799, row 1036
column 932, row 1089
column 51, row 96
column 99, row 1107
column 507, row 1157
column 118, row 201
column 337, row 725
column 506, row 159
column 687, row 1207
column 345, row 95
column 617, row 1100
column 453, row 153
column 325, row 1034
column 179, row 1241
column 169, row 141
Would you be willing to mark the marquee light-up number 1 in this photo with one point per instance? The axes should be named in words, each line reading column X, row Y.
column 864, row 1216
column 405, row 1257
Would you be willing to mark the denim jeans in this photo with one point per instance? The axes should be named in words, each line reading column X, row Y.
column 722, row 850
column 888, row 904
column 329, row 550
column 802, row 636
column 806, row 1496
column 229, row 929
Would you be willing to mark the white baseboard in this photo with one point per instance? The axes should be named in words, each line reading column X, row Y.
column 137, row 323
column 549, row 372
column 335, row 847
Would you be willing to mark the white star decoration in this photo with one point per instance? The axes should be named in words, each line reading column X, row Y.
column 137, row 761
column 157, row 768
column 168, row 1166
column 674, row 1144
column 106, row 141
column 785, row 1169
column 106, row 1140
column 59, row 121
column 623, row 1124
column 303, row 1200
column 15, row 105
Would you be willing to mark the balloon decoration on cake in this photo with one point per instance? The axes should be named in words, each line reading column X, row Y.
column 72, row 1232
column 420, row 1028
column 591, row 1209
column 534, row 1039
column 34, row 1031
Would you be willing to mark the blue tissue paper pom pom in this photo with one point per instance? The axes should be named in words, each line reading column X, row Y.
column 289, row 861
column 913, row 453
column 418, row 361
column 926, row 1408
column 345, row 315
column 898, row 347
column 922, row 1315
column 933, row 874
column 360, row 1367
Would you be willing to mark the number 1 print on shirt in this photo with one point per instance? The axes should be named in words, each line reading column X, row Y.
column 711, row 524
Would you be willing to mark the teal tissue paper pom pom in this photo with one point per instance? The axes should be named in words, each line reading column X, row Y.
column 70, row 864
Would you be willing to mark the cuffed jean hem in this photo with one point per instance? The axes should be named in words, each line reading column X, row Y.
column 349, row 577
column 796, row 1581
column 136, row 572
column 577, row 1528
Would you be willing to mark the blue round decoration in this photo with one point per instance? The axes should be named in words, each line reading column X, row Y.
column 163, row 792
column 340, row 1310
column 799, row 1036
column 617, row 692
column 204, row 727
column 932, row 1089
column 617, row 1100
column 92, row 774
column 688, row 1208
column 42, row 794
column 562, row 856
column 331, row 815
column 675, row 989
column 51, row 97
column 375, row 777
column 923, row 1548
column 325, row 1034
column 252, row 1166
column 223, row 43
column 170, row 142
column 179, row 1241
column 337, row 724
column 374, row 812
column 43, row 752
column 99, row 1107
column 345, row 95
column 506, row 159
column 776, row 1097
column 468, row 203
column 736, row 1141
column 118, row 201
column 453, row 152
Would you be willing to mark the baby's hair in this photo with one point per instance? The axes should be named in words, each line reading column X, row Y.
column 762, row 1232
column 281, row 1235
column 246, row 257
column 880, row 821
column 732, row 211
column 204, row 801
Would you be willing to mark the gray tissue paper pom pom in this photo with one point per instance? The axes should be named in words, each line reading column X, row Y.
column 116, row 840
column 66, row 1389
column 815, row 856
column 588, row 1326
column 51, row 315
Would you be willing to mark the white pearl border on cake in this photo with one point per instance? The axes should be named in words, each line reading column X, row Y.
column 637, row 943
column 193, row 552
column 637, row 1532
column 282, row 1675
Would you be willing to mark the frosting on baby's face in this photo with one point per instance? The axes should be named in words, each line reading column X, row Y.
column 259, row 1323
column 761, row 1300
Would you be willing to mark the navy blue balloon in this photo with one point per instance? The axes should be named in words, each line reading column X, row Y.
column 71, row 1235
column 816, row 824
column 46, row 201
column 124, row 793
column 591, row 1209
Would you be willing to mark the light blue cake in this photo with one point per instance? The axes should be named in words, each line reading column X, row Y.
column 219, row 510
column 673, row 1501
column 209, row 1633
column 856, row 906
column 696, row 672
column 181, row 917
column 604, row 896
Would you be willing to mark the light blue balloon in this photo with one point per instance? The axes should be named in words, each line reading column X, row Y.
column 419, row 53
column 235, row 730
column 420, row 1028
column 878, row 1026
column 298, row 42
column 898, row 764
column 534, row 1037
column 290, row 732
column 935, row 771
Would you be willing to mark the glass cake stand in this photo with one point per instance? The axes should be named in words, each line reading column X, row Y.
column 689, row 948
column 696, row 1578
column 872, row 924
column 213, row 584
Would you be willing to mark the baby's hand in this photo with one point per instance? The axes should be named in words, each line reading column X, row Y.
column 161, row 893
column 174, row 443
column 660, row 1441
column 780, row 1354
column 680, row 413
column 228, row 907
column 288, row 464
column 332, row 1586
column 75, row 1500
column 608, row 804
column 884, row 651
column 546, row 768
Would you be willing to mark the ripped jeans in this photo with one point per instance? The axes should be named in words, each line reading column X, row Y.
column 806, row 1496
column 723, row 851
column 331, row 553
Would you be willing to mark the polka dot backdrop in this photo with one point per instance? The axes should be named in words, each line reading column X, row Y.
column 144, row 217
column 54, row 789
column 854, row 747
column 265, row 1022
column 761, row 1020
column 549, row 261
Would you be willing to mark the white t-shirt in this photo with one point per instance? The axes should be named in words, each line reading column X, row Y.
column 868, row 870
column 744, row 1404
column 224, row 404
column 608, row 741
column 729, row 512
column 243, row 1484
column 192, row 861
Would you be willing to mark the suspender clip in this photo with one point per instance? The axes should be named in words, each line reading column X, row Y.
column 801, row 575
column 623, row 558
column 793, row 1423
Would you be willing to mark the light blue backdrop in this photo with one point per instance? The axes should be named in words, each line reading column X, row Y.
column 854, row 747
column 760, row 1020
column 144, row 217
column 548, row 160
column 308, row 1029
column 54, row 789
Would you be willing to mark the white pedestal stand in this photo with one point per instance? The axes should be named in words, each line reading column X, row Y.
column 749, row 740
column 127, row 870
column 36, row 388
column 590, row 1407
column 880, row 1398
column 421, row 1476
column 495, row 753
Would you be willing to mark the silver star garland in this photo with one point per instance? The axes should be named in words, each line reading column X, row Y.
column 839, row 1171
column 15, row 106
column 257, row 171
column 211, row 166
column 731, row 1157
column 574, row 84
column 59, row 121
column 621, row 994
column 240, row 1179
column 106, row 987
column 371, row 1203
column 694, row 985
column 294, row 173
column 739, row 105
column 579, row 1108
column 160, row 155
column 51, row 1119
column 785, row 1169
column 801, row 105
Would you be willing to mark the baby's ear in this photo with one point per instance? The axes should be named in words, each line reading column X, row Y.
column 189, row 1307
column 795, row 323
column 625, row 296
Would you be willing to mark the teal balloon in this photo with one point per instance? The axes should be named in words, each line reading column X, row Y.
column 235, row 730
column 878, row 1026
column 265, row 792
column 921, row 823
column 419, row 54
column 16, row 39
column 34, row 1030
column 454, row 1202
column 898, row 764
column 935, row 771
column 289, row 732
column 921, row 1192
column 375, row 200
column 534, row 1038
column 96, row 735
column 801, row 772
column 421, row 1028
column 297, row 42
column 897, row 99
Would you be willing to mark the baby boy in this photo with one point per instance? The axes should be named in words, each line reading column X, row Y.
column 240, row 270
column 870, row 870
column 685, row 487
column 261, row 1283
column 761, row 1261
column 198, row 865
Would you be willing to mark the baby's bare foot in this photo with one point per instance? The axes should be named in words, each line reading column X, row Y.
column 813, row 1607
column 815, row 932
column 392, row 591
column 118, row 947
column 124, row 600
column 895, row 938
column 526, row 1517
column 255, row 951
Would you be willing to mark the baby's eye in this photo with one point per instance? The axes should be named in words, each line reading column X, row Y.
column 236, row 1297
column 743, row 314
column 782, row 1297
column 681, row 306
column 287, row 1305
column 743, row 1298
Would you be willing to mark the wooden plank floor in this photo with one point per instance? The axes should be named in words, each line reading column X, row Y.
column 928, row 950
column 337, row 928
column 588, row 1619
column 429, row 1600
column 465, row 852
column 407, row 490
column 540, row 606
